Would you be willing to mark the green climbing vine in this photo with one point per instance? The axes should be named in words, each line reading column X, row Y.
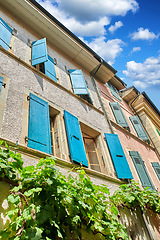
column 47, row 205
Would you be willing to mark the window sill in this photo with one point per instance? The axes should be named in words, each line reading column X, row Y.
column 35, row 154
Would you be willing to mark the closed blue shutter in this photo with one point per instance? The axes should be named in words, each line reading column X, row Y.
column 50, row 68
column 39, row 52
column 139, row 128
column 156, row 167
column 113, row 91
column 5, row 34
column 79, row 84
column 1, row 82
column 75, row 141
column 119, row 116
column 118, row 157
column 141, row 170
column 39, row 125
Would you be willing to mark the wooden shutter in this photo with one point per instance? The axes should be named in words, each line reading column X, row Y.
column 141, row 170
column 75, row 141
column 113, row 91
column 156, row 167
column 5, row 34
column 119, row 116
column 50, row 68
column 139, row 128
column 1, row 82
column 118, row 157
column 39, row 125
column 39, row 51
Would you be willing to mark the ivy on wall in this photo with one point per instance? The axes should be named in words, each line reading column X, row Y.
column 47, row 205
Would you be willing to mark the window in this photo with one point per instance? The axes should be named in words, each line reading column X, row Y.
column 82, row 144
column 92, row 147
column 113, row 91
column 5, row 35
column 118, row 157
column 42, row 129
column 119, row 116
column 156, row 167
column 141, row 170
column 79, row 85
column 41, row 60
column 139, row 128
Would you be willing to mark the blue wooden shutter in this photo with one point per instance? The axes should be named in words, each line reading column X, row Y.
column 39, row 52
column 1, row 82
column 113, row 91
column 119, row 116
column 50, row 68
column 39, row 125
column 75, row 141
column 141, row 170
column 139, row 128
column 118, row 157
column 5, row 34
column 79, row 84
column 156, row 167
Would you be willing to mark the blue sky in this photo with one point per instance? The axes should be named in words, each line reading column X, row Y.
column 126, row 33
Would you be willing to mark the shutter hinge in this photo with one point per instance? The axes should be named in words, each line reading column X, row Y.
column 26, row 139
column 4, row 85
column 55, row 61
column 28, row 98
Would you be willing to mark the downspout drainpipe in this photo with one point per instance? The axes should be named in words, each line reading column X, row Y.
column 100, row 99
column 143, row 125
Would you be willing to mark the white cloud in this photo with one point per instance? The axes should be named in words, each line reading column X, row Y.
column 109, row 50
column 143, row 34
column 88, row 17
column 144, row 74
column 135, row 49
column 93, row 9
column 114, row 27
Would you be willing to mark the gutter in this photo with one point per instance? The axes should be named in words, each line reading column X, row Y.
column 95, row 55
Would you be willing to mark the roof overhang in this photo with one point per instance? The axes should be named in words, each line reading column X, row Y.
column 44, row 24
column 129, row 94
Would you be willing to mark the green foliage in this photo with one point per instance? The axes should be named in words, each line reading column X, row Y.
column 131, row 196
column 47, row 205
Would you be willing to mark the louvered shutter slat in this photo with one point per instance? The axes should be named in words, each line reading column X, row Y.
column 139, row 128
column 156, row 167
column 119, row 116
column 141, row 170
column 113, row 91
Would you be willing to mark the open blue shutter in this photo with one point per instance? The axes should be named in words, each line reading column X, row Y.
column 50, row 68
column 39, row 125
column 39, row 52
column 5, row 34
column 75, row 141
column 156, row 167
column 113, row 91
column 139, row 128
column 141, row 170
column 119, row 116
column 1, row 82
column 118, row 157
column 78, row 82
